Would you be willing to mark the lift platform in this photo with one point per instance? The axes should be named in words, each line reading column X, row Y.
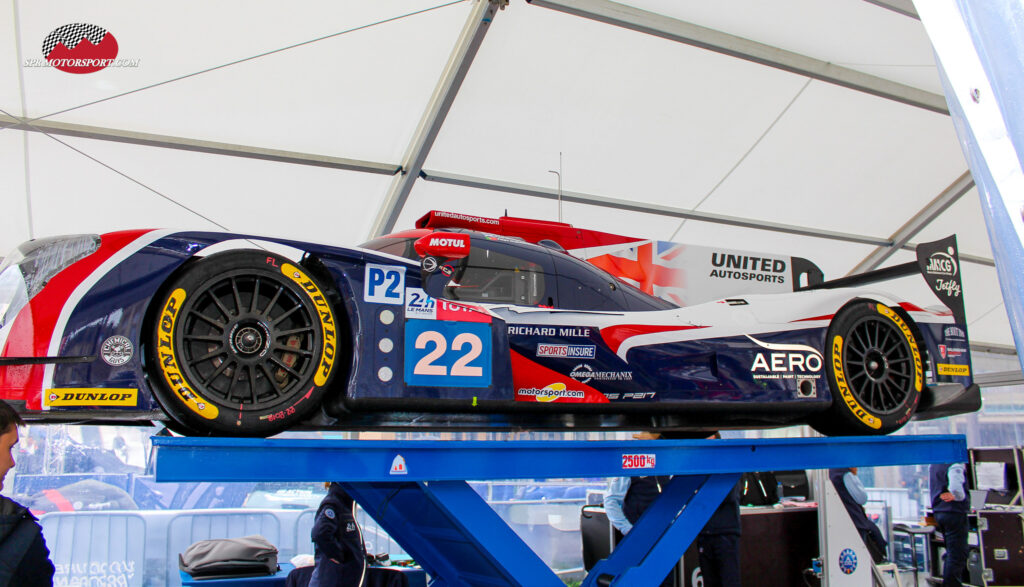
column 417, row 490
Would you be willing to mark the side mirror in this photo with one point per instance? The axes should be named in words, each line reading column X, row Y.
column 443, row 258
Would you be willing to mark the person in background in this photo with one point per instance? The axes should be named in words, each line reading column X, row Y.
column 339, row 551
column 852, row 492
column 24, row 558
column 628, row 498
column 719, row 542
column 950, row 507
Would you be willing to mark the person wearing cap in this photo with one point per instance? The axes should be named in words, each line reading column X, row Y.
column 950, row 506
column 338, row 543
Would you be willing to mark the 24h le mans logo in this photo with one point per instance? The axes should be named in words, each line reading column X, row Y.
column 79, row 48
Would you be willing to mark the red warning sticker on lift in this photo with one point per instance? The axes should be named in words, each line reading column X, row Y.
column 644, row 461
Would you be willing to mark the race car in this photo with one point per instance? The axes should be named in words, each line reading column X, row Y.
column 469, row 322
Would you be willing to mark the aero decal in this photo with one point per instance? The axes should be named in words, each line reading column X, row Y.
column 615, row 336
column 844, row 389
column 918, row 369
column 323, row 309
column 105, row 397
column 169, row 362
column 39, row 328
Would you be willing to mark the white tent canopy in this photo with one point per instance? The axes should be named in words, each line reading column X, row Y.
column 795, row 127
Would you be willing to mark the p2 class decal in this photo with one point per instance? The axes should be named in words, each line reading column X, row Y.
column 169, row 362
column 91, row 397
column 327, row 323
column 447, row 354
column 384, row 284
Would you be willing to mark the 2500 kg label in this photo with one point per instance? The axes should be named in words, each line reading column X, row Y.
column 637, row 461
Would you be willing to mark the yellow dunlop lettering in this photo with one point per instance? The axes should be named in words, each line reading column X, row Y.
column 953, row 370
column 918, row 369
column 844, row 389
column 326, row 320
column 95, row 397
column 169, row 364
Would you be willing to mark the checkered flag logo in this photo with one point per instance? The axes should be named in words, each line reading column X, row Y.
column 71, row 35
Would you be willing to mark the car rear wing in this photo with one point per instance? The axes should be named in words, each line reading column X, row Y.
column 938, row 262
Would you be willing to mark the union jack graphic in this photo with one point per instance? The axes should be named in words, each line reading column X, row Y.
column 652, row 266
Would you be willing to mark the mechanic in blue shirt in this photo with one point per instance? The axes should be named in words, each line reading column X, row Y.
column 852, row 492
column 950, row 507
column 339, row 551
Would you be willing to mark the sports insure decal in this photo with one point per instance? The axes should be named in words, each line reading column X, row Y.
column 91, row 397
column 447, row 354
column 384, row 284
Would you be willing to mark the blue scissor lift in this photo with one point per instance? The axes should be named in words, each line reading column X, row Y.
column 417, row 490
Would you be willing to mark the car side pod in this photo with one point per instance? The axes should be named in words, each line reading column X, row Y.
column 443, row 259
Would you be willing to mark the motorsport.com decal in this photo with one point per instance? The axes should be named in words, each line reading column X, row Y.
column 747, row 268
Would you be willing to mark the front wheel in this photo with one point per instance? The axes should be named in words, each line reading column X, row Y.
column 875, row 372
column 244, row 344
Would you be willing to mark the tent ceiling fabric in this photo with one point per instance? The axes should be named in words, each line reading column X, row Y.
column 340, row 87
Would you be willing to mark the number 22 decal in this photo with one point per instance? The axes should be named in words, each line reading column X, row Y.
column 449, row 354
column 425, row 365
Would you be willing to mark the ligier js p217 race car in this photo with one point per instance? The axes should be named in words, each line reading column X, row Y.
column 475, row 322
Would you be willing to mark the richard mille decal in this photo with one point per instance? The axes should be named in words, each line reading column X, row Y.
column 562, row 331
column 786, row 361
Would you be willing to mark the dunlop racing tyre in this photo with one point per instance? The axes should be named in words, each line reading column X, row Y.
column 875, row 372
column 244, row 344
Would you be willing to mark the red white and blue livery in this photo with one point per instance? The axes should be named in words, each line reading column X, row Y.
column 475, row 323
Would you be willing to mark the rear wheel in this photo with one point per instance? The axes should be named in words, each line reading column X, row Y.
column 875, row 371
column 244, row 344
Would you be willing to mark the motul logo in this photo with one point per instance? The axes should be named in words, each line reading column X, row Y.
column 447, row 242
